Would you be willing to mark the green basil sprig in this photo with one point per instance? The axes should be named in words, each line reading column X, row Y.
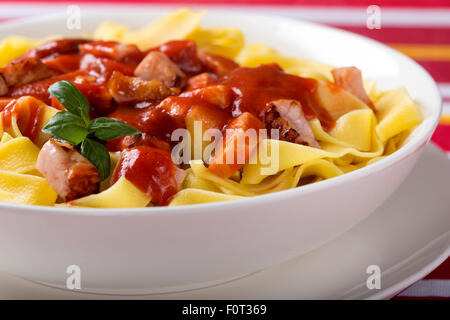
column 76, row 127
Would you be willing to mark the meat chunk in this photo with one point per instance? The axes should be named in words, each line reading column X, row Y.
column 184, row 54
column 157, row 66
column 21, row 72
column 70, row 174
column 218, row 95
column 350, row 79
column 218, row 65
column 201, row 80
column 234, row 150
column 123, row 88
column 125, row 53
column 287, row 116
column 62, row 46
column 143, row 139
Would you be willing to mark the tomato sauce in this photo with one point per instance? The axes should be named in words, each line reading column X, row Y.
column 4, row 102
column 256, row 87
column 39, row 89
column 63, row 63
column 151, row 170
column 28, row 115
column 184, row 54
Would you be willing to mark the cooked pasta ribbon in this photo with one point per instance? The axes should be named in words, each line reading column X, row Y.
column 174, row 26
column 255, row 54
column 25, row 189
column 197, row 196
column 122, row 194
column 13, row 47
column 18, row 155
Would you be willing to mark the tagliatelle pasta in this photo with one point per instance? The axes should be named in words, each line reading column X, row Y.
column 18, row 155
column 176, row 25
column 114, row 197
column 13, row 47
column 254, row 55
column 25, row 189
column 197, row 196
column 329, row 121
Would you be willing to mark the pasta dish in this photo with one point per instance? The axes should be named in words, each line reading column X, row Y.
column 176, row 114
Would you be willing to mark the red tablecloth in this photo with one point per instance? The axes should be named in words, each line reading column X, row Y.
column 419, row 28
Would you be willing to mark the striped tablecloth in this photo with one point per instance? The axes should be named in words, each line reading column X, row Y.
column 418, row 28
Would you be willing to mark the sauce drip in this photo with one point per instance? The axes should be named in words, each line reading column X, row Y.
column 28, row 116
column 151, row 170
column 256, row 87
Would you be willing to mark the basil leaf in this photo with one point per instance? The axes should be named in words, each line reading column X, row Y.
column 71, row 98
column 109, row 129
column 98, row 155
column 66, row 126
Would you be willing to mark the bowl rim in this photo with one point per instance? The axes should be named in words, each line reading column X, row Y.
column 402, row 153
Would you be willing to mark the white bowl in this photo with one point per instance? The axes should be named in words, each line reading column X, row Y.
column 133, row 251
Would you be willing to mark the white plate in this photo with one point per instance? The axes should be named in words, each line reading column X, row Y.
column 407, row 237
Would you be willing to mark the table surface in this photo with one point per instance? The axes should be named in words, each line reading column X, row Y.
column 418, row 28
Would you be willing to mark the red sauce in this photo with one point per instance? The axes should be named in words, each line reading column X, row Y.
column 184, row 54
column 151, row 170
column 256, row 87
column 28, row 115
column 4, row 102
column 63, row 63
column 102, row 68
column 253, row 89
column 39, row 89
column 8, row 112
column 97, row 94
column 126, row 53
column 62, row 46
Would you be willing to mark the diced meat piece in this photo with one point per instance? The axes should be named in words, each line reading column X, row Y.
column 237, row 145
column 157, row 66
column 124, row 88
column 330, row 101
column 218, row 65
column 142, row 139
column 63, row 63
column 209, row 116
column 125, row 53
column 39, row 89
column 174, row 110
column 96, row 93
column 184, row 54
column 63, row 46
column 70, row 174
column 102, row 68
column 350, row 79
column 218, row 95
column 23, row 71
column 201, row 80
column 287, row 116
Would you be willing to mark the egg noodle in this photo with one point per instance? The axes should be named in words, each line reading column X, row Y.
column 359, row 137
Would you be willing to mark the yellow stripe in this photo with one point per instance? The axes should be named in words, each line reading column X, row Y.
column 440, row 52
column 445, row 119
